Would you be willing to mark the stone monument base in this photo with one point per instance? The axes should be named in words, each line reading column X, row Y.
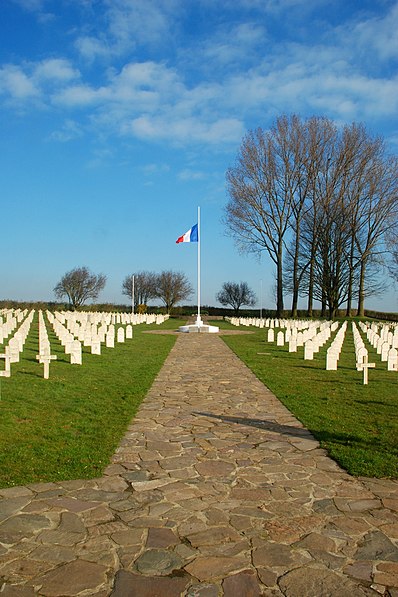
column 199, row 327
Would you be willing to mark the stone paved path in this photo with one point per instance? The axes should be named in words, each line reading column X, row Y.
column 216, row 489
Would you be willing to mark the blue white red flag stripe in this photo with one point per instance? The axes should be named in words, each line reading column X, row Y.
column 192, row 236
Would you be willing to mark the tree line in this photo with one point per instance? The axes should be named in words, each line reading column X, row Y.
column 79, row 285
column 321, row 201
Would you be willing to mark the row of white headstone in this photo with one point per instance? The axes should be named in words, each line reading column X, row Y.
column 308, row 333
column 9, row 320
column 90, row 329
column 44, row 357
column 334, row 350
column 74, row 337
column 299, row 324
column 361, row 354
column 385, row 342
column 15, row 345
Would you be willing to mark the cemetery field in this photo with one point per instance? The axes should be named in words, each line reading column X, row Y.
column 68, row 426
column 357, row 424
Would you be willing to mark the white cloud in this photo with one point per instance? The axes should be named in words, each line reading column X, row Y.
column 55, row 69
column 92, row 47
column 150, row 169
column 217, row 86
column 380, row 34
column 31, row 5
column 69, row 131
column 15, row 83
column 187, row 130
column 189, row 174
column 126, row 23
column 79, row 96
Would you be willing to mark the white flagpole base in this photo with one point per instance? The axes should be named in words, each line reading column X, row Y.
column 199, row 327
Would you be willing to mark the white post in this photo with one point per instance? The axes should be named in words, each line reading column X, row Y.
column 198, row 321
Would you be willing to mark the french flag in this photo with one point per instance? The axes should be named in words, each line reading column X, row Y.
column 191, row 236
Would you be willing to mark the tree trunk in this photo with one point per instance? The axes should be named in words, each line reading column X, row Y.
column 361, row 291
column 311, row 285
column 279, row 281
column 351, row 279
column 295, row 271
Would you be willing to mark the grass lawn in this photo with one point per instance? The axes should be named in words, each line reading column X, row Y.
column 357, row 424
column 68, row 427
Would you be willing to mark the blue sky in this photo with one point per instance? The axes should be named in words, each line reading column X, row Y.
column 119, row 117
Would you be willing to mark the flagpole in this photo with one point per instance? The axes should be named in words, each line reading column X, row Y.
column 199, row 235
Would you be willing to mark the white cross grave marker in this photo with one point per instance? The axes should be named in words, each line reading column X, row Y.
column 7, row 370
column 364, row 366
column 45, row 359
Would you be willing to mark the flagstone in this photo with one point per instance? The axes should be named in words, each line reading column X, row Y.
column 268, row 577
column 127, row 583
column 53, row 553
column 376, row 546
column 215, row 468
column 128, row 537
column 213, row 536
column 72, row 578
column 146, row 522
column 351, row 526
column 308, row 582
column 158, row 562
column 316, row 541
column 360, row 570
column 242, row 547
column 161, row 537
column 386, row 573
column 107, row 528
column 18, row 591
column 150, row 484
column 203, row 590
column 244, row 583
column 23, row 569
column 391, row 530
column 273, row 554
column 211, row 568
column 10, row 506
column 98, row 515
column 392, row 504
column 22, row 525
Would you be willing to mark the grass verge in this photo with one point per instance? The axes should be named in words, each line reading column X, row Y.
column 68, row 427
column 357, row 424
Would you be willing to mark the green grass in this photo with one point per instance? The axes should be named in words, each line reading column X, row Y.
column 357, row 424
column 68, row 427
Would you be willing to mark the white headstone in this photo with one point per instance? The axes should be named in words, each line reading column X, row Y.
column 309, row 350
column 392, row 361
column 76, row 353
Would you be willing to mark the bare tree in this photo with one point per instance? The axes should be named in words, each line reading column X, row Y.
column 172, row 287
column 79, row 285
column 144, row 287
column 320, row 200
column 260, row 186
column 236, row 295
column 392, row 243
